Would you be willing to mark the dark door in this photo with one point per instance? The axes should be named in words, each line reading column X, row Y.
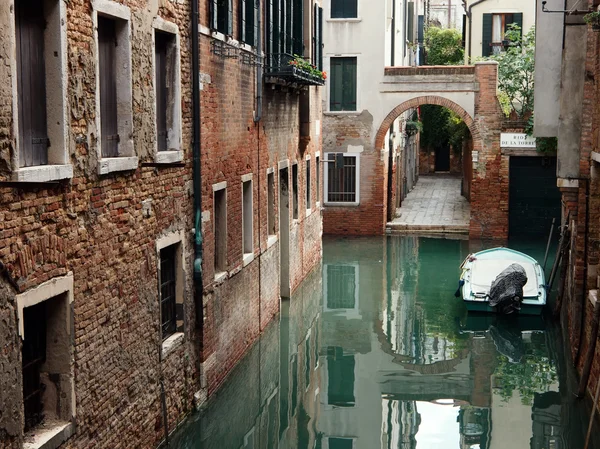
column 534, row 198
column 442, row 158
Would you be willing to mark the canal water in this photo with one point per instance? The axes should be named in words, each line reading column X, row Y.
column 375, row 352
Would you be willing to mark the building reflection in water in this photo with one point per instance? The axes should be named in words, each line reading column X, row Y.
column 375, row 352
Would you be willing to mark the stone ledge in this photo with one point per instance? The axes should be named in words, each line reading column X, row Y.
column 171, row 343
column 168, row 157
column 114, row 164
column 49, row 436
column 43, row 173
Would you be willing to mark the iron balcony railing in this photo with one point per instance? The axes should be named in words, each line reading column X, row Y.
column 279, row 70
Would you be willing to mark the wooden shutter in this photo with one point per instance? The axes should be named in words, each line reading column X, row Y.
column 335, row 85
column 160, row 50
column 255, row 30
column 287, row 45
column 518, row 20
column 349, row 84
column 31, row 76
column 486, row 36
column 108, row 87
column 320, row 40
column 229, row 26
column 298, row 29
column 411, row 22
column 270, row 31
column 315, row 31
column 214, row 14
column 242, row 20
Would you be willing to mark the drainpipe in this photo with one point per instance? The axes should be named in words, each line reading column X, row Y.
column 393, row 55
column 198, row 286
column 469, row 16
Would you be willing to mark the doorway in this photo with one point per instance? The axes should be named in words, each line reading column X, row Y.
column 284, row 234
column 442, row 158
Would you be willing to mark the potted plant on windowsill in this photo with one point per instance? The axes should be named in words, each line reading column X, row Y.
column 309, row 70
column 593, row 19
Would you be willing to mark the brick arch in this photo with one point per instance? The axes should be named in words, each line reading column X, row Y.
column 420, row 101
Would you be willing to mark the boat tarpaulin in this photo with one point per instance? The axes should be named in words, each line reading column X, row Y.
column 506, row 292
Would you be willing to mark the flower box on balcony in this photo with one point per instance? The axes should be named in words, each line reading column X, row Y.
column 293, row 71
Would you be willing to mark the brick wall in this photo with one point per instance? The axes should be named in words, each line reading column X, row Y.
column 239, row 305
column 97, row 228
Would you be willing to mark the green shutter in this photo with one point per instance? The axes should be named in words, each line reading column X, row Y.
column 349, row 84
column 411, row 22
column 486, row 36
column 242, row 21
column 320, row 39
column 230, row 17
column 518, row 20
column 255, row 30
column 298, row 38
column 214, row 7
column 335, row 85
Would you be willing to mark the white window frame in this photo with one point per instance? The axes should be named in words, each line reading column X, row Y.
column 272, row 238
column 128, row 159
column 173, row 238
column 220, row 275
column 327, row 68
column 308, row 188
column 352, row 313
column 318, row 175
column 248, row 256
column 326, row 181
column 55, row 43
column 175, row 152
column 62, row 430
column 342, row 19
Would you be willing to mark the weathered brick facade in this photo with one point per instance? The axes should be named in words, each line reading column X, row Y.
column 97, row 233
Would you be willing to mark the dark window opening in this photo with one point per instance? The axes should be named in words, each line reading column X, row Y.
column 340, row 443
column 107, row 44
column 494, row 30
column 221, row 16
column 285, row 30
column 341, row 178
column 308, row 199
column 295, row 190
column 271, row 204
column 34, row 357
column 248, row 13
column 31, row 83
column 318, row 180
column 168, row 290
column 343, row 84
column 344, row 9
column 220, row 230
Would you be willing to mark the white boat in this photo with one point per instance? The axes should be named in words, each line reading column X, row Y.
column 479, row 270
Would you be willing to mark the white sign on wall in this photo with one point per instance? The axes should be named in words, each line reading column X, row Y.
column 516, row 140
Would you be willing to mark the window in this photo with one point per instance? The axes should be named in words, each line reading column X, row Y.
column 318, row 180
column 271, row 203
column 340, row 377
column 46, row 329
column 220, row 229
column 40, row 39
column 344, row 9
column 167, row 86
column 317, row 39
column 295, row 190
column 115, row 110
column 248, row 21
column 247, row 237
column 340, row 443
column 171, row 281
column 341, row 287
column 342, row 178
column 494, row 29
column 221, row 16
column 308, row 202
column 168, row 292
column 342, row 84
column 285, row 28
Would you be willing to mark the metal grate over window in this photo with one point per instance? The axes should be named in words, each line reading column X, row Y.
column 341, row 179
column 168, row 291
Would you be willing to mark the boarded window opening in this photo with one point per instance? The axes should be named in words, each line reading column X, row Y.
column 107, row 43
column 247, row 215
column 31, row 83
column 220, row 212
column 271, row 203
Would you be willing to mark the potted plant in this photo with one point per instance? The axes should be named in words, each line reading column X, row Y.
column 593, row 19
column 309, row 69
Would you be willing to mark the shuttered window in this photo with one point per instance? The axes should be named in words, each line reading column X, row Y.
column 285, row 28
column 162, row 41
column 221, row 16
column 168, row 291
column 344, row 9
column 342, row 178
column 31, row 83
column 318, row 37
column 342, row 84
column 248, row 13
column 107, row 43
column 494, row 29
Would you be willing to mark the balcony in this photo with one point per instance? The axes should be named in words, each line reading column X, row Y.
column 284, row 69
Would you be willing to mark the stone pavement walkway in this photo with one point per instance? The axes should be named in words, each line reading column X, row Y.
column 434, row 206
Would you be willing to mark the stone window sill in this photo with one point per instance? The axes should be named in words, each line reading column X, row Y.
column 171, row 343
column 220, row 276
column 595, row 156
column 248, row 258
column 342, row 204
column 43, row 173
column 345, row 19
column 334, row 113
column 115, row 164
column 49, row 435
column 168, row 157
column 271, row 241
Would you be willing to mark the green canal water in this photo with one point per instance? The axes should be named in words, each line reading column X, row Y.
column 374, row 352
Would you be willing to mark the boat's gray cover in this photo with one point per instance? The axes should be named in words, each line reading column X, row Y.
column 506, row 292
